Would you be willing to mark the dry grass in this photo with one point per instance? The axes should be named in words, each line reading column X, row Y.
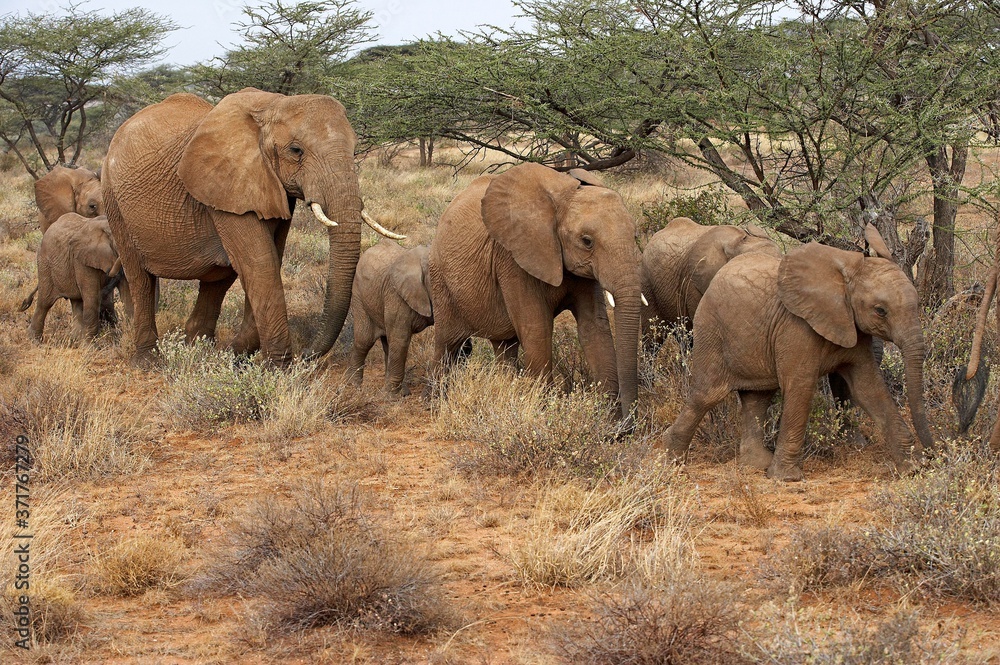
column 319, row 559
column 57, row 613
column 521, row 425
column 134, row 566
column 577, row 535
column 936, row 534
column 74, row 429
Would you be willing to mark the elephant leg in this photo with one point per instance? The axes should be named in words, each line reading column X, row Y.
column 364, row 340
column 205, row 315
column 797, row 392
column 107, row 314
column 504, row 350
column 598, row 345
column 90, row 315
column 247, row 340
column 126, row 297
column 143, row 289
column 872, row 395
column 42, row 307
column 754, row 405
column 255, row 258
column 395, row 373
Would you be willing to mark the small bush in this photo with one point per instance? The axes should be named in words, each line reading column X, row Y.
column 685, row 620
column 522, row 425
column 792, row 636
column 938, row 533
column 134, row 566
column 708, row 206
column 210, row 388
column 319, row 560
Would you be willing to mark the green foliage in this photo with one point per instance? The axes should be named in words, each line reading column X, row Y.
column 288, row 48
column 55, row 67
column 707, row 206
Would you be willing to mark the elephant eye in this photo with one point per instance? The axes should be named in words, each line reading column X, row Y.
column 587, row 241
column 295, row 150
column 881, row 311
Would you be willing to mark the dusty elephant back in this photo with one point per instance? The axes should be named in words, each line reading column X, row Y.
column 140, row 173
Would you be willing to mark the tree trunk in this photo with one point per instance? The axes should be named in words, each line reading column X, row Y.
column 947, row 175
column 423, row 151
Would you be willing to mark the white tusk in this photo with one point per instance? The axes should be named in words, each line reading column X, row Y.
column 379, row 228
column 611, row 299
column 645, row 302
column 318, row 211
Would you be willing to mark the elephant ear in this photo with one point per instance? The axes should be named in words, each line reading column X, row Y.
column 520, row 210
column 812, row 284
column 54, row 193
column 587, row 177
column 97, row 251
column 408, row 278
column 224, row 166
column 876, row 242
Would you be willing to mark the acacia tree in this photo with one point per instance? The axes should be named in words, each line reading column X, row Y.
column 288, row 48
column 55, row 71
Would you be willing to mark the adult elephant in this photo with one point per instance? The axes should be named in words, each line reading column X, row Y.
column 67, row 189
column 679, row 262
column 768, row 323
column 196, row 192
column 512, row 251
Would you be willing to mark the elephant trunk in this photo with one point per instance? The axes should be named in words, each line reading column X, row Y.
column 341, row 204
column 912, row 346
column 627, row 308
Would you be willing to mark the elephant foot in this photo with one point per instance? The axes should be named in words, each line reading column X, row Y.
column 789, row 473
column 756, row 456
column 402, row 390
column 144, row 359
column 677, row 451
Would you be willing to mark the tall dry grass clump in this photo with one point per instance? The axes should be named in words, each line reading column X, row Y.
column 638, row 536
column 637, row 524
column 74, row 429
column 209, row 388
column 521, row 424
column 937, row 533
column 56, row 610
column 320, row 559
column 136, row 565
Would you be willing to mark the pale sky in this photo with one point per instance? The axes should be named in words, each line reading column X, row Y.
column 205, row 24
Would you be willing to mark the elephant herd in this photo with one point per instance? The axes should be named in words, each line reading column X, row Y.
column 194, row 191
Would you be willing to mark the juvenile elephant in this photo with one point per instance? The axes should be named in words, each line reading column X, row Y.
column 76, row 259
column 681, row 259
column 64, row 190
column 199, row 192
column 512, row 251
column 390, row 302
column 767, row 323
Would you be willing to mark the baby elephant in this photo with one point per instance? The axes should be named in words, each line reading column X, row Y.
column 76, row 259
column 390, row 301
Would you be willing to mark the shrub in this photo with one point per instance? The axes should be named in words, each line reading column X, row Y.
column 707, row 206
column 133, row 566
column 685, row 620
column 519, row 424
column 796, row 636
column 937, row 532
column 319, row 560
column 209, row 388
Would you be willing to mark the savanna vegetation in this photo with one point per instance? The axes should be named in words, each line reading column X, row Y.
column 214, row 509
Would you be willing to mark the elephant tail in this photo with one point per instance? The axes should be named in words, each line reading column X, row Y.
column 26, row 303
